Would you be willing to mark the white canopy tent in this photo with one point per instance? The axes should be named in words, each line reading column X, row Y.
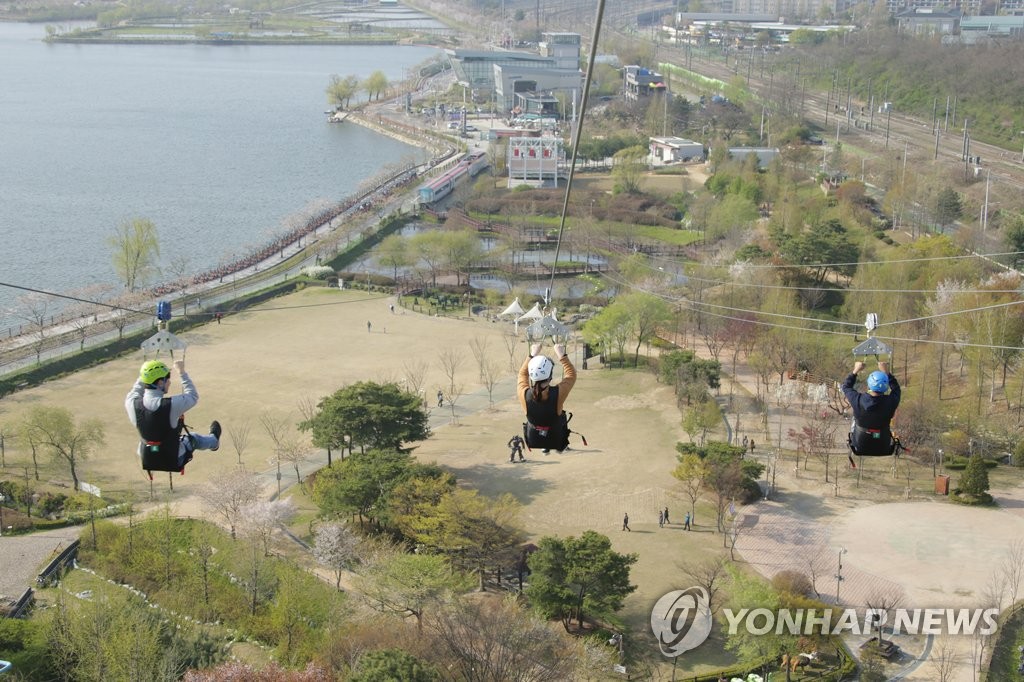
column 513, row 309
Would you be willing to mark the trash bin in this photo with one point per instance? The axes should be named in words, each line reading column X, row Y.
column 942, row 485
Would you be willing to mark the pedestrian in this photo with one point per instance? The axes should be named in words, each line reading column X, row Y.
column 160, row 419
column 666, row 515
column 440, row 398
column 661, row 519
column 686, row 522
column 392, row 306
column 516, row 445
column 547, row 424
column 219, row 315
column 625, row 523
column 369, row 327
column 745, row 442
column 751, row 446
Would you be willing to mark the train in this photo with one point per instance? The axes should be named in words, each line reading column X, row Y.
column 471, row 165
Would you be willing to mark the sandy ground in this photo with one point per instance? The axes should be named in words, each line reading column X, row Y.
column 310, row 344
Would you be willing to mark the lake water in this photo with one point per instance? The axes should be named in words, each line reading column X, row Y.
column 217, row 145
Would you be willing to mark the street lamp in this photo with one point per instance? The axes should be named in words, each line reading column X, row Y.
column 839, row 573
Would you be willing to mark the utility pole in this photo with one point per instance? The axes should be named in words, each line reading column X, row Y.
column 888, row 117
column 984, row 208
column 937, row 133
column 945, row 126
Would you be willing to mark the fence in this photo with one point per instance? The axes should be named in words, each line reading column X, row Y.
column 53, row 571
column 21, row 606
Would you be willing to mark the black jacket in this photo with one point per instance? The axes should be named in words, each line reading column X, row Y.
column 872, row 411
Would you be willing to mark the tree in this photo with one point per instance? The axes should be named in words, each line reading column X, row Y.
column 393, row 664
column 974, row 481
column 341, row 90
column 135, row 248
column 298, row 614
column 629, row 168
column 648, row 314
column 336, row 547
column 701, row 418
column 239, row 435
column 229, row 493
column 692, row 471
column 375, row 84
column 394, row 252
column 948, row 207
column 370, row 415
column 476, row 532
column 1013, row 237
column 570, row 576
column 54, row 428
column 708, row 573
column 500, row 641
column 263, row 517
column 360, row 485
column 750, row 592
column 408, row 584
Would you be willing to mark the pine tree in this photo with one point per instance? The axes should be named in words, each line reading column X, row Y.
column 975, row 479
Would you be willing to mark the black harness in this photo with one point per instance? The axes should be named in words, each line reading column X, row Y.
column 544, row 428
column 161, row 441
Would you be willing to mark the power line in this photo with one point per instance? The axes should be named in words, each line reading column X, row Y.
column 129, row 309
column 818, row 330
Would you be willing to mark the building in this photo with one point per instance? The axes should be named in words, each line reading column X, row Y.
column 512, row 80
column 928, row 21
column 564, row 48
column 505, row 73
column 665, row 150
column 475, row 68
column 534, row 161
column 982, row 29
column 639, row 82
column 765, row 155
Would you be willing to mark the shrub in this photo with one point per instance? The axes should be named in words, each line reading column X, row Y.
column 793, row 582
column 318, row 272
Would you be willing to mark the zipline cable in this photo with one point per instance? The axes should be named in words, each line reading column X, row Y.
column 576, row 142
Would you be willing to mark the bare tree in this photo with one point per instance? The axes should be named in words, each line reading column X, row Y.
column 511, row 343
column 882, row 602
column 337, row 548
column 478, row 344
column 415, row 375
column 451, row 361
column 816, row 568
column 239, row 434
column 492, row 640
column 229, row 493
column 945, row 658
column 491, row 376
column 277, row 430
column 1013, row 569
column 294, row 452
column 708, row 573
column 35, row 311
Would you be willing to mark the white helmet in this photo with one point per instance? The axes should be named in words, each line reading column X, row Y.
column 540, row 368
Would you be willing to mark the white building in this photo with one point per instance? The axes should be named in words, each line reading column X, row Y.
column 666, row 150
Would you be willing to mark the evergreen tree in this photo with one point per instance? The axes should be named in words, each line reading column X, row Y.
column 975, row 479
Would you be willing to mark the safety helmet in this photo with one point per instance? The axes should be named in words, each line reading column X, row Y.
column 152, row 371
column 878, row 382
column 540, row 368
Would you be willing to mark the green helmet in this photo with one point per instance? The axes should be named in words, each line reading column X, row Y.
column 152, row 371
